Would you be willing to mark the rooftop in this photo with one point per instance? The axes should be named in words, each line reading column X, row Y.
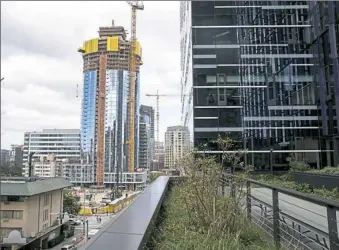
column 21, row 186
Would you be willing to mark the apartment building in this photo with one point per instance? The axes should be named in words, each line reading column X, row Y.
column 47, row 166
column 177, row 145
column 64, row 144
column 29, row 211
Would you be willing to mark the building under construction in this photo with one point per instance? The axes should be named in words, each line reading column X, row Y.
column 106, row 99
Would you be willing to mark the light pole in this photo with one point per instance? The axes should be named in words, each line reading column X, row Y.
column 2, row 78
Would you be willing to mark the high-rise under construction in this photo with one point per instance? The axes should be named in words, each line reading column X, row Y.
column 105, row 105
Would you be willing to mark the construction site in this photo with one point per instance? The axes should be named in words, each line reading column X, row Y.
column 110, row 106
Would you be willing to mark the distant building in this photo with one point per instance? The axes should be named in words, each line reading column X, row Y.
column 16, row 158
column 64, row 144
column 5, row 157
column 30, row 209
column 159, row 157
column 78, row 173
column 146, row 137
column 177, row 145
column 105, row 119
column 47, row 166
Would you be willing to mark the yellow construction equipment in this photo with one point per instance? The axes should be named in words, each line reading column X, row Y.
column 135, row 5
column 157, row 95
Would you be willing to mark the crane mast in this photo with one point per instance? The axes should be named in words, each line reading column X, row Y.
column 157, row 95
column 135, row 5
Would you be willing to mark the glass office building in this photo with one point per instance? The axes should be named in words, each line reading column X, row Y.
column 105, row 106
column 267, row 73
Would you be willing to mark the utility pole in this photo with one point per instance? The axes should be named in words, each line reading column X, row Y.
column 0, row 160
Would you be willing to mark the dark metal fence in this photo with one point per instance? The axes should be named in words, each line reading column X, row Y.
column 294, row 220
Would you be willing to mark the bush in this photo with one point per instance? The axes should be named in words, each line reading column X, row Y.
column 184, row 228
column 197, row 215
column 326, row 170
column 298, row 166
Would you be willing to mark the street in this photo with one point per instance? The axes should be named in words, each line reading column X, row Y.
column 92, row 224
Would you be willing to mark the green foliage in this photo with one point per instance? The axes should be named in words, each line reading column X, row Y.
column 326, row 170
column 197, row 215
column 70, row 203
column 297, row 166
column 155, row 175
column 10, row 170
column 285, row 182
column 187, row 229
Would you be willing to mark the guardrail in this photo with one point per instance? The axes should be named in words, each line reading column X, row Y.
column 295, row 220
column 131, row 228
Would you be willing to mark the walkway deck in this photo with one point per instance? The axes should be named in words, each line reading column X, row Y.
column 129, row 229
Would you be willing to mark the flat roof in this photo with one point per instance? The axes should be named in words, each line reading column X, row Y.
column 30, row 187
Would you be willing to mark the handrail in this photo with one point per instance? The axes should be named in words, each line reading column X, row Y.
column 311, row 198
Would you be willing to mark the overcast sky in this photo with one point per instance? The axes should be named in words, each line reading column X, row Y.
column 42, row 67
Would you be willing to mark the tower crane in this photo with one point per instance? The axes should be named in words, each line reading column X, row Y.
column 135, row 5
column 157, row 95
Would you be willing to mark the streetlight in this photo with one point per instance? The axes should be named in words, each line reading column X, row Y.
column 2, row 78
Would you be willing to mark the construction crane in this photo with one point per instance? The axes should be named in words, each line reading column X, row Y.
column 135, row 5
column 157, row 95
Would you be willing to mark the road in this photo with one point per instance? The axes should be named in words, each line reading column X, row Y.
column 92, row 224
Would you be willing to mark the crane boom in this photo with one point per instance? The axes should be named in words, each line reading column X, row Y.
column 136, row 5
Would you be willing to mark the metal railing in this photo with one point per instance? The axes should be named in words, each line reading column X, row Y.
column 293, row 219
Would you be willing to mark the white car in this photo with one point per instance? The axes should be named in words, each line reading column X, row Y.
column 75, row 221
column 92, row 232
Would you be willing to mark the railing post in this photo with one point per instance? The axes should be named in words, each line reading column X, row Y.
column 276, row 226
column 332, row 227
column 248, row 199
column 232, row 186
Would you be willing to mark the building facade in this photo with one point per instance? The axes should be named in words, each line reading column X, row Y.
column 17, row 155
column 29, row 211
column 5, row 157
column 47, row 166
column 105, row 106
column 261, row 71
column 146, row 137
column 158, row 162
column 177, row 145
column 64, row 144
column 78, row 173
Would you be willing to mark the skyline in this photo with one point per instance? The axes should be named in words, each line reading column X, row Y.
column 49, row 99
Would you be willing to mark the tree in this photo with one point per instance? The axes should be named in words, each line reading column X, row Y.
column 10, row 170
column 70, row 203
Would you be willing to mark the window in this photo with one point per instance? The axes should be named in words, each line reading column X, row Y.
column 13, row 198
column 12, row 214
column 45, row 215
column 46, row 199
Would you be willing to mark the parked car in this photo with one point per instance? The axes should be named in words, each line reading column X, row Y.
column 69, row 247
